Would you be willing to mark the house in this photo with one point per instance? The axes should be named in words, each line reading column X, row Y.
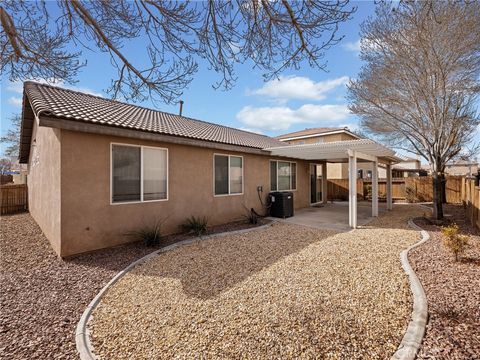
column 462, row 167
column 407, row 167
column 99, row 168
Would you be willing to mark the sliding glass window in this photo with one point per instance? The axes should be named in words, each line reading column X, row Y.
column 228, row 177
column 138, row 173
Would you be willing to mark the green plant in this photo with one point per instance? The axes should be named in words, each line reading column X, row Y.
column 368, row 191
column 149, row 234
column 195, row 225
column 454, row 242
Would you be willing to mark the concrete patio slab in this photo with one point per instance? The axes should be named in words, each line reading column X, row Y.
column 333, row 215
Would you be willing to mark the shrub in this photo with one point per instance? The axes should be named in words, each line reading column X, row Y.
column 368, row 191
column 454, row 242
column 195, row 225
column 251, row 216
column 410, row 194
column 150, row 235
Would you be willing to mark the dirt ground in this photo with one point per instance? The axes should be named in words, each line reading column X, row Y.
column 42, row 296
column 453, row 293
column 286, row 291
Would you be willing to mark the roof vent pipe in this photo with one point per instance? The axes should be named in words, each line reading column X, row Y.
column 181, row 107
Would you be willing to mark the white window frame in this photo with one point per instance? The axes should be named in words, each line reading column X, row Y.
column 296, row 174
column 141, row 174
column 243, row 177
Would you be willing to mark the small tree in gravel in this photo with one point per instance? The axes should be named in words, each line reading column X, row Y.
column 454, row 242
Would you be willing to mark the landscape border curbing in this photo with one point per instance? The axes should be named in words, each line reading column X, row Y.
column 413, row 337
column 82, row 334
column 407, row 349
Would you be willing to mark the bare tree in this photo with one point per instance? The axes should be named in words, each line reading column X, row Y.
column 274, row 35
column 419, row 87
column 12, row 136
column 5, row 166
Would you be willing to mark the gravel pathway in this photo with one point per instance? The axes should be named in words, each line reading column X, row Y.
column 281, row 292
column 453, row 293
column 42, row 297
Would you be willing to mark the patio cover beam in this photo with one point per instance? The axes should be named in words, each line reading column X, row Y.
column 375, row 188
column 389, row 187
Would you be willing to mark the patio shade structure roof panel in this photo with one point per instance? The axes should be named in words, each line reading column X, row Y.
column 337, row 151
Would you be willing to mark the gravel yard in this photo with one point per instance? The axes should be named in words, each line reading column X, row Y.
column 42, row 297
column 284, row 291
column 453, row 293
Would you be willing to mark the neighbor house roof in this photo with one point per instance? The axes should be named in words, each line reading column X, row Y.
column 312, row 132
column 59, row 103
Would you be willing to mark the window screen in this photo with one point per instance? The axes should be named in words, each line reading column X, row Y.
column 283, row 175
column 294, row 175
column 273, row 175
column 221, row 175
column 154, row 174
column 125, row 173
column 236, row 175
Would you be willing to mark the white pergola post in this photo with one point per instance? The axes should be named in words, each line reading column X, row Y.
column 324, row 183
column 389, row 187
column 352, row 182
column 375, row 188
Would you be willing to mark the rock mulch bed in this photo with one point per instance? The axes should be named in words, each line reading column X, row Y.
column 453, row 293
column 286, row 291
column 42, row 297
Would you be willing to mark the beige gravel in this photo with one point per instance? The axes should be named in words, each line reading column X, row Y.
column 280, row 292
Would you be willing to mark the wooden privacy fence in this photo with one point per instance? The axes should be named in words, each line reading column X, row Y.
column 338, row 189
column 471, row 201
column 412, row 189
column 5, row 179
column 13, row 198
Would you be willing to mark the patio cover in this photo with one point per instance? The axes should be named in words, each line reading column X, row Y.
column 338, row 151
column 349, row 151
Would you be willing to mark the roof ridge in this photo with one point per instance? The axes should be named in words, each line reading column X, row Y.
column 140, row 106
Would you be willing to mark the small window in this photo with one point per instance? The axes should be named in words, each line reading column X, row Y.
column 228, row 175
column 138, row 173
column 283, row 175
column 360, row 174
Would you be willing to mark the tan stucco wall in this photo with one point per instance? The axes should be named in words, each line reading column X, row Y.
column 463, row 170
column 44, row 183
column 89, row 222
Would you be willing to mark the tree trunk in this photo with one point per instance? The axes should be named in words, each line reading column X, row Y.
column 444, row 188
column 437, row 196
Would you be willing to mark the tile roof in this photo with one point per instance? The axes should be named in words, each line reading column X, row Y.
column 311, row 131
column 73, row 105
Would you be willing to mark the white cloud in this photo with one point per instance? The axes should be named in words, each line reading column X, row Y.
column 298, row 87
column 353, row 46
column 17, row 86
column 15, row 101
column 282, row 117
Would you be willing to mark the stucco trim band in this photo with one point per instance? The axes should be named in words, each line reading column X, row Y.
column 413, row 337
column 82, row 334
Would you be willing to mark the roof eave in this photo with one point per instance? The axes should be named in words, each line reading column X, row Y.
column 111, row 130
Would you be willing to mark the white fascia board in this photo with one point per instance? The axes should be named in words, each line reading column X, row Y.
column 333, row 132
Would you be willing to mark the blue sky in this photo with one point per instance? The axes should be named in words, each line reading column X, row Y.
column 305, row 98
